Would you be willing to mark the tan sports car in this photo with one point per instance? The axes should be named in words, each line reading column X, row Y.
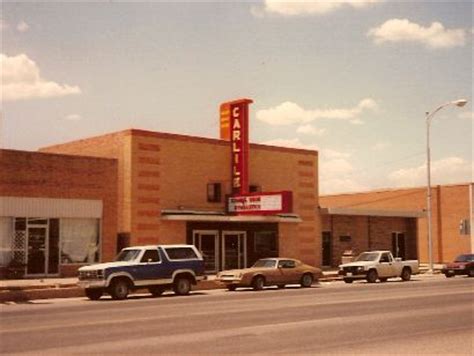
column 270, row 272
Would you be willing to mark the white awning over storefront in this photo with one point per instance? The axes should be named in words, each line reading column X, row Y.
column 211, row 216
column 50, row 207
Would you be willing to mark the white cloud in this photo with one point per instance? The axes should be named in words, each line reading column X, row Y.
column 73, row 117
column 291, row 143
column 459, row 171
column 20, row 78
column 380, row 146
column 3, row 25
column 22, row 26
column 467, row 115
column 402, row 30
column 336, row 172
column 308, row 7
column 289, row 113
column 310, row 130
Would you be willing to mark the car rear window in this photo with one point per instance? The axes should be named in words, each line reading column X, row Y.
column 181, row 253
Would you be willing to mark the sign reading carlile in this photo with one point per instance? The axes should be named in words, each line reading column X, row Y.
column 234, row 120
column 234, row 127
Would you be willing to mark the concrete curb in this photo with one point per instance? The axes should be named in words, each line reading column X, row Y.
column 26, row 293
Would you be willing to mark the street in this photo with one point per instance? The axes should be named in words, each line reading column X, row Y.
column 424, row 316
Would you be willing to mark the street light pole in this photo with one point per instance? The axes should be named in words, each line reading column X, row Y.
column 429, row 117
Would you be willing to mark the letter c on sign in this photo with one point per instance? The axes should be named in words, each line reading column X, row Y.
column 235, row 111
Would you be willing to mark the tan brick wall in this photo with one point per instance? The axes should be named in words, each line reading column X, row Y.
column 165, row 171
column 450, row 204
column 42, row 175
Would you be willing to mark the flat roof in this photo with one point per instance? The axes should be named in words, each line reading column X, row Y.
column 374, row 212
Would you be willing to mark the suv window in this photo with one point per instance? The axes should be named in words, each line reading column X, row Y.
column 150, row 256
column 181, row 253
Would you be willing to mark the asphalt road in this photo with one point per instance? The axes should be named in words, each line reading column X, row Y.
column 424, row 316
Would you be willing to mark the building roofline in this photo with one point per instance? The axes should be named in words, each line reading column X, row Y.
column 373, row 212
column 46, row 153
column 181, row 137
column 384, row 190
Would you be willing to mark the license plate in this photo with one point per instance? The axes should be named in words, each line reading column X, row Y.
column 349, row 273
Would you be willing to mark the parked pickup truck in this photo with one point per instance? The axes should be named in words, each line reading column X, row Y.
column 157, row 268
column 380, row 265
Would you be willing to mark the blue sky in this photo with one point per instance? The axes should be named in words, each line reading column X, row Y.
column 351, row 79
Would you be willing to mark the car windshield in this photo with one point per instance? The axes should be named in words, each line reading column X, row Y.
column 464, row 258
column 265, row 264
column 367, row 256
column 127, row 255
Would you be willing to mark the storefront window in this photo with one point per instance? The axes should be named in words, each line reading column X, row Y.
column 265, row 244
column 6, row 234
column 79, row 240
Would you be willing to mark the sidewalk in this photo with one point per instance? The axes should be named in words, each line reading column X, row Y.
column 28, row 289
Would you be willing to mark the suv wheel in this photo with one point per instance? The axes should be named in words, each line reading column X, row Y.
column 182, row 286
column 119, row 289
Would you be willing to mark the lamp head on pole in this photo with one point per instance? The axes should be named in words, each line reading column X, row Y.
column 460, row 102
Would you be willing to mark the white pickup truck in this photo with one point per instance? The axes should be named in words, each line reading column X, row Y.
column 380, row 265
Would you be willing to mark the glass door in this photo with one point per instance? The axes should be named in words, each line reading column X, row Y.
column 37, row 250
column 234, row 250
column 206, row 242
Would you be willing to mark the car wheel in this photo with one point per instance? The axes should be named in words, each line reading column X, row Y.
column 119, row 289
column 449, row 275
column 471, row 272
column 383, row 279
column 372, row 276
column 406, row 274
column 156, row 291
column 182, row 286
column 231, row 287
column 348, row 280
column 281, row 286
column 258, row 283
column 94, row 293
column 306, row 280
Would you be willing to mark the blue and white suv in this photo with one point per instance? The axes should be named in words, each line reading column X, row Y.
column 158, row 268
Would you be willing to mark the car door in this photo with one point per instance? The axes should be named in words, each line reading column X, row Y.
column 288, row 271
column 149, row 266
column 385, row 265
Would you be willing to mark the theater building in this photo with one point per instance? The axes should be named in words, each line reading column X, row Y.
column 176, row 188
column 395, row 219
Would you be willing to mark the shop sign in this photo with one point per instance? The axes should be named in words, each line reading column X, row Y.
column 262, row 203
column 235, row 127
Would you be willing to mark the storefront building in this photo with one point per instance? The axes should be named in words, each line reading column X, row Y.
column 176, row 188
column 57, row 212
column 395, row 219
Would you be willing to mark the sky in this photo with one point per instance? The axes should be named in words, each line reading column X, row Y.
column 351, row 79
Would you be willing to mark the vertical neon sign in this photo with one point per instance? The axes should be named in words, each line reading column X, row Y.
column 235, row 128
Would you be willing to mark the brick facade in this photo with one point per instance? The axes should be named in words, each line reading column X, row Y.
column 450, row 205
column 159, row 171
column 45, row 175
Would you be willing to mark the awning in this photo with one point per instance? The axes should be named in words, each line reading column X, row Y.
column 216, row 216
column 374, row 212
